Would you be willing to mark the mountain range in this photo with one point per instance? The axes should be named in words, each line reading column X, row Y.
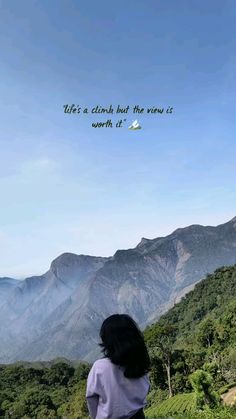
column 59, row 313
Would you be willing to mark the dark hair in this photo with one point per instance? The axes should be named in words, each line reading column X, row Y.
column 123, row 343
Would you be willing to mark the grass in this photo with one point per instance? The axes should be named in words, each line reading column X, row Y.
column 181, row 403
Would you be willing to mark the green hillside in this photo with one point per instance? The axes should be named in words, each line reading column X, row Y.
column 204, row 322
column 181, row 403
column 210, row 299
column 193, row 346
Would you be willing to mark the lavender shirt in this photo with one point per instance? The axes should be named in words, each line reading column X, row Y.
column 111, row 395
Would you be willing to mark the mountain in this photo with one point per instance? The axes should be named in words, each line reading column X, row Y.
column 6, row 286
column 60, row 312
column 34, row 299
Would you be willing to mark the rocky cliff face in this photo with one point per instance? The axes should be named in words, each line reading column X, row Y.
column 60, row 313
column 32, row 301
column 6, row 286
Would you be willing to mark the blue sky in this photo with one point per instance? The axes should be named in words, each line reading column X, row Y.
column 67, row 187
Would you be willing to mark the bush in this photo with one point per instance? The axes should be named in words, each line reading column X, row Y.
column 202, row 384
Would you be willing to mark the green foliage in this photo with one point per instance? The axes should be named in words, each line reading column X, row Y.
column 228, row 363
column 31, row 403
column 76, row 406
column 201, row 349
column 204, row 331
column 155, row 397
column 59, row 373
column 157, row 374
column 219, row 413
column 82, row 371
column 211, row 368
column 227, row 387
column 202, row 384
column 176, row 404
column 160, row 340
column 38, row 393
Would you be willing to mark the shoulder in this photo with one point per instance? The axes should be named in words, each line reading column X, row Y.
column 100, row 368
column 102, row 363
column 104, row 360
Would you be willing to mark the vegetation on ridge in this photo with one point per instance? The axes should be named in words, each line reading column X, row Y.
column 198, row 339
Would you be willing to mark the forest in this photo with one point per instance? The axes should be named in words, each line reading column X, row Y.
column 193, row 364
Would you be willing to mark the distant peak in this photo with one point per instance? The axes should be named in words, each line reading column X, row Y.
column 73, row 261
column 65, row 257
column 144, row 240
column 68, row 257
column 192, row 227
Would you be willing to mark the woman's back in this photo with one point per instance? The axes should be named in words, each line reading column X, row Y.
column 118, row 384
column 118, row 397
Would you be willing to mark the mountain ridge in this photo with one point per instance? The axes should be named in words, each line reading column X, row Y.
column 59, row 312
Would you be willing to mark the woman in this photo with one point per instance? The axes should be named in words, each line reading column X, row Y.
column 118, row 383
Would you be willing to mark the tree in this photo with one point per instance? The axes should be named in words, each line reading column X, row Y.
column 201, row 382
column 82, row 371
column 160, row 338
column 76, row 406
column 30, row 403
column 157, row 373
column 206, row 332
column 59, row 373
